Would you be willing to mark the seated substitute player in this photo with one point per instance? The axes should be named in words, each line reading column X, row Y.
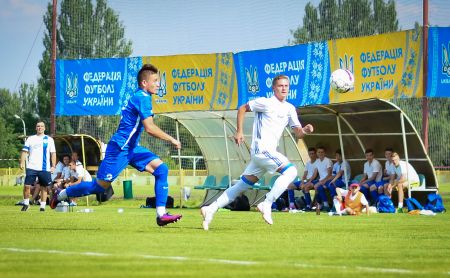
column 341, row 174
column 372, row 178
column 352, row 203
column 124, row 149
column 272, row 115
column 324, row 167
column 405, row 175
column 307, row 181
column 389, row 170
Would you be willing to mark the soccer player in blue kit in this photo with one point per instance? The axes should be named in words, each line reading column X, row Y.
column 124, row 149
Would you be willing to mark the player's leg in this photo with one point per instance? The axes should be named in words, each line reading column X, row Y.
column 364, row 188
column 291, row 194
column 401, row 187
column 274, row 161
column 306, row 192
column 374, row 193
column 115, row 161
column 251, row 175
column 144, row 160
column 45, row 180
column 30, row 178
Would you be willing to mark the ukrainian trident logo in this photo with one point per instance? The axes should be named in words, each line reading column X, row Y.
column 162, row 91
column 445, row 60
column 252, row 80
column 72, row 85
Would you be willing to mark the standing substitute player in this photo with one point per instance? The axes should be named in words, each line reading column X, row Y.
column 124, row 149
column 39, row 150
column 272, row 115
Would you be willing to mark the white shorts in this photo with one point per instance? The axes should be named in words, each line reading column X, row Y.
column 265, row 162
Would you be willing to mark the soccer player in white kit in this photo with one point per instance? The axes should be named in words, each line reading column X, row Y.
column 272, row 115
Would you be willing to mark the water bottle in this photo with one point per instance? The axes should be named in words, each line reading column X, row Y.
column 86, row 210
column 317, row 209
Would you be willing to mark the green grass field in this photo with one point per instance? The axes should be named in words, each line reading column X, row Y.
column 106, row 243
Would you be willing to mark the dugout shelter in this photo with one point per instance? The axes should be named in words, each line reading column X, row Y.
column 352, row 127
column 88, row 148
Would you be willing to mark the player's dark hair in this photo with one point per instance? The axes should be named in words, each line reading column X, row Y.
column 311, row 149
column 322, row 148
column 278, row 77
column 368, row 151
column 389, row 149
column 338, row 151
column 146, row 71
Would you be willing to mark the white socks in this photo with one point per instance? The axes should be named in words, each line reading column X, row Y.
column 62, row 195
column 26, row 202
column 281, row 184
column 231, row 193
column 43, row 204
column 160, row 211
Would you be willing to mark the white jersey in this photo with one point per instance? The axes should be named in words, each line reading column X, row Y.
column 406, row 169
column 271, row 117
column 323, row 166
column 81, row 173
column 342, row 166
column 66, row 173
column 373, row 167
column 58, row 169
column 310, row 167
column 39, row 149
column 390, row 168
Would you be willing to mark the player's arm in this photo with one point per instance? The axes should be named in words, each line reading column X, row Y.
column 23, row 158
column 239, row 136
column 364, row 179
column 152, row 129
column 53, row 158
column 300, row 132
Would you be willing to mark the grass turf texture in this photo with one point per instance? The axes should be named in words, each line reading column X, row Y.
column 106, row 243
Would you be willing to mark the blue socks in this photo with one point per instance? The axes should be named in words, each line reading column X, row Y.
column 291, row 196
column 161, row 185
column 374, row 195
column 307, row 199
column 84, row 188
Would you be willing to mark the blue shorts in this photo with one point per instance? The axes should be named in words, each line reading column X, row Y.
column 117, row 159
column 298, row 183
column 340, row 183
column 376, row 183
column 44, row 177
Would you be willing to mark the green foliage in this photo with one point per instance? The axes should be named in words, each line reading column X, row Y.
column 84, row 30
column 335, row 19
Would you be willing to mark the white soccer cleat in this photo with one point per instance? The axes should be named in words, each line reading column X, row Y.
column 207, row 214
column 266, row 212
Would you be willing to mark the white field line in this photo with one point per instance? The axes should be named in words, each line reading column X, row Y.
column 224, row 261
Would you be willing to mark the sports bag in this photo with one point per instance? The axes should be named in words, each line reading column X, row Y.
column 385, row 204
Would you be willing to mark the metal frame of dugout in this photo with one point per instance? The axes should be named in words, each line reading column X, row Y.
column 351, row 126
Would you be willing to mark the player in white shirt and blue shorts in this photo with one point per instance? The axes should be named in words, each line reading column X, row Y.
column 307, row 182
column 324, row 169
column 40, row 154
column 373, row 177
column 341, row 174
column 272, row 115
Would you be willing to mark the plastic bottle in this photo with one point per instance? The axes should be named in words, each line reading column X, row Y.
column 317, row 209
column 86, row 210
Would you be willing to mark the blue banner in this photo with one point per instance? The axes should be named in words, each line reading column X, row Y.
column 95, row 86
column 306, row 65
column 438, row 82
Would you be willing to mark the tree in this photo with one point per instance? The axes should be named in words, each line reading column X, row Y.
column 84, row 31
column 345, row 18
column 10, row 129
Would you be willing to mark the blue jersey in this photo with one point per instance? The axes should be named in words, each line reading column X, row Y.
column 139, row 108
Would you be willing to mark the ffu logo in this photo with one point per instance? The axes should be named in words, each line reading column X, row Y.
column 445, row 60
column 162, row 91
column 252, row 80
column 72, row 85
column 346, row 63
